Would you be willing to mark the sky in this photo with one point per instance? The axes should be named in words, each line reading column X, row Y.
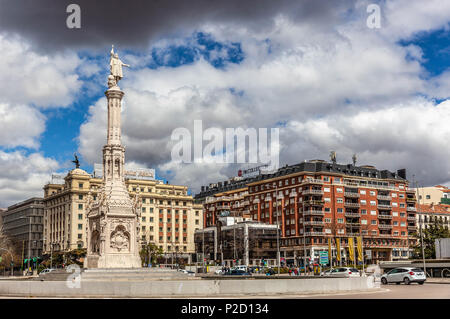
column 313, row 69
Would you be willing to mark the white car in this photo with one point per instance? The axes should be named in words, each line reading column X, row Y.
column 341, row 272
column 406, row 275
column 46, row 271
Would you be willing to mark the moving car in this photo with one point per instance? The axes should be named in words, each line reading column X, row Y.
column 46, row 271
column 406, row 275
column 342, row 272
column 237, row 272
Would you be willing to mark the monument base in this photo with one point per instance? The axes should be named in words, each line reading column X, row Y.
column 113, row 261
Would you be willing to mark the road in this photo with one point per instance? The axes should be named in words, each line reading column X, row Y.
column 393, row 291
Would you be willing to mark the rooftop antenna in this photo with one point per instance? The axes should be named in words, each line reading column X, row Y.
column 354, row 158
column 333, row 156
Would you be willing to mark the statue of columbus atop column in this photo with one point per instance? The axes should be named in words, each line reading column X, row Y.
column 115, row 66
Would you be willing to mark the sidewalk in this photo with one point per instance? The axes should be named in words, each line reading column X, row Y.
column 438, row 280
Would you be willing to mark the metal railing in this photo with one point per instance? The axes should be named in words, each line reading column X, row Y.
column 351, row 194
column 313, row 212
column 382, row 206
column 384, row 197
column 384, row 216
column 314, row 233
column 314, row 202
column 384, row 226
column 311, row 181
column 352, row 215
column 313, row 222
column 350, row 204
column 312, row 192
column 411, row 209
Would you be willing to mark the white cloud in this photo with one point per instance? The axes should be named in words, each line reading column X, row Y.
column 27, row 77
column 23, row 176
column 20, row 125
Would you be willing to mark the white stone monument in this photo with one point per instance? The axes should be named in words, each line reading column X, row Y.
column 113, row 219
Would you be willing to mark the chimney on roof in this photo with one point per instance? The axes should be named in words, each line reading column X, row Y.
column 402, row 173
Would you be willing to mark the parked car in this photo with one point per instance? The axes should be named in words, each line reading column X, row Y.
column 237, row 272
column 46, row 271
column 241, row 267
column 184, row 271
column 341, row 272
column 406, row 275
column 219, row 272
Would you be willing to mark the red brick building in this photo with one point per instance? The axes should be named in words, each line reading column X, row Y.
column 318, row 200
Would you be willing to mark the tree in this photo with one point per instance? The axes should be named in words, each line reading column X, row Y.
column 150, row 250
column 8, row 251
column 430, row 234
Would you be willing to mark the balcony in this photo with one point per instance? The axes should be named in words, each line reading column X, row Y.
column 351, row 214
column 313, row 223
column 353, row 234
column 382, row 206
column 312, row 192
column 411, row 199
column 384, row 226
column 385, row 235
column 412, row 227
column 411, row 218
column 351, row 194
column 356, row 224
column 312, row 181
column 350, row 204
column 313, row 202
column 315, row 233
column 411, row 209
column 383, row 197
column 385, row 216
column 223, row 207
column 313, row 212
column 245, row 203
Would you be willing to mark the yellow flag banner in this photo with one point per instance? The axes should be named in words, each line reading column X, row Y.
column 338, row 249
column 329, row 250
column 351, row 250
column 359, row 248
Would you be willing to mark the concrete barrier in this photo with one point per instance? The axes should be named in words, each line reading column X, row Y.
column 185, row 288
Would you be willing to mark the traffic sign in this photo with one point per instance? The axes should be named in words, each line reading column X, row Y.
column 323, row 257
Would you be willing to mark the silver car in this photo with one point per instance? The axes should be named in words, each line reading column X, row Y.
column 342, row 272
column 406, row 275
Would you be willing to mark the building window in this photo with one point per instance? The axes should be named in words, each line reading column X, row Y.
column 362, row 192
column 80, row 216
column 80, row 236
column 363, row 202
column 340, row 220
column 80, row 226
column 363, row 212
column 80, row 185
column 428, row 197
column 143, row 209
column 80, row 197
column 143, row 228
column 339, row 200
column 143, row 218
column 373, row 222
column 196, row 213
column 80, row 206
column 339, row 190
column 340, row 210
column 151, row 219
column 196, row 221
